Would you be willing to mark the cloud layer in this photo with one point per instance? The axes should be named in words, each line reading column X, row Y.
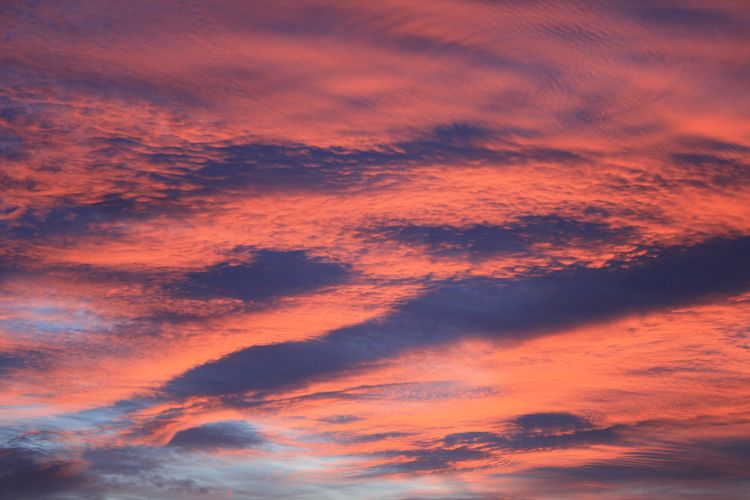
column 427, row 249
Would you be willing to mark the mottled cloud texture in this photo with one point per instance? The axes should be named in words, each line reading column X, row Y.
column 416, row 249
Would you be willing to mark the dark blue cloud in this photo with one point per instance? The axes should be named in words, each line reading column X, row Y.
column 426, row 460
column 72, row 220
column 268, row 275
column 28, row 474
column 687, row 20
column 8, row 183
column 303, row 166
column 75, row 80
column 665, row 466
column 200, row 169
column 551, row 422
column 500, row 308
column 462, row 133
column 218, row 435
column 348, row 437
column 11, row 146
column 8, row 267
column 516, row 236
column 720, row 462
column 143, row 471
column 537, row 431
column 9, row 362
column 345, row 23
column 15, row 360
column 719, row 466
column 713, row 169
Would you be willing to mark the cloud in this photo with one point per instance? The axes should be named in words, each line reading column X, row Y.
column 352, row 438
column 142, row 141
column 72, row 220
column 141, row 472
column 299, row 166
column 85, row 81
column 101, row 472
column 427, row 460
column 666, row 466
column 526, row 433
column 688, row 20
column 538, row 431
column 551, row 422
column 229, row 434
column 15, row 360
column 707, row 169
column 514, row 237
column 10, row 361
column 512, row 309
column 243, row 166
column 340, row 419
column 147, row 180
column 124, row 461
column 11, row 148
column 270, row 274
column 26, row 474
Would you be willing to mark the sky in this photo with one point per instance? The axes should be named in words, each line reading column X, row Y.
column 333, row 249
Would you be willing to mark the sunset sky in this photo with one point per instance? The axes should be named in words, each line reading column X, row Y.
column 338, row 249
